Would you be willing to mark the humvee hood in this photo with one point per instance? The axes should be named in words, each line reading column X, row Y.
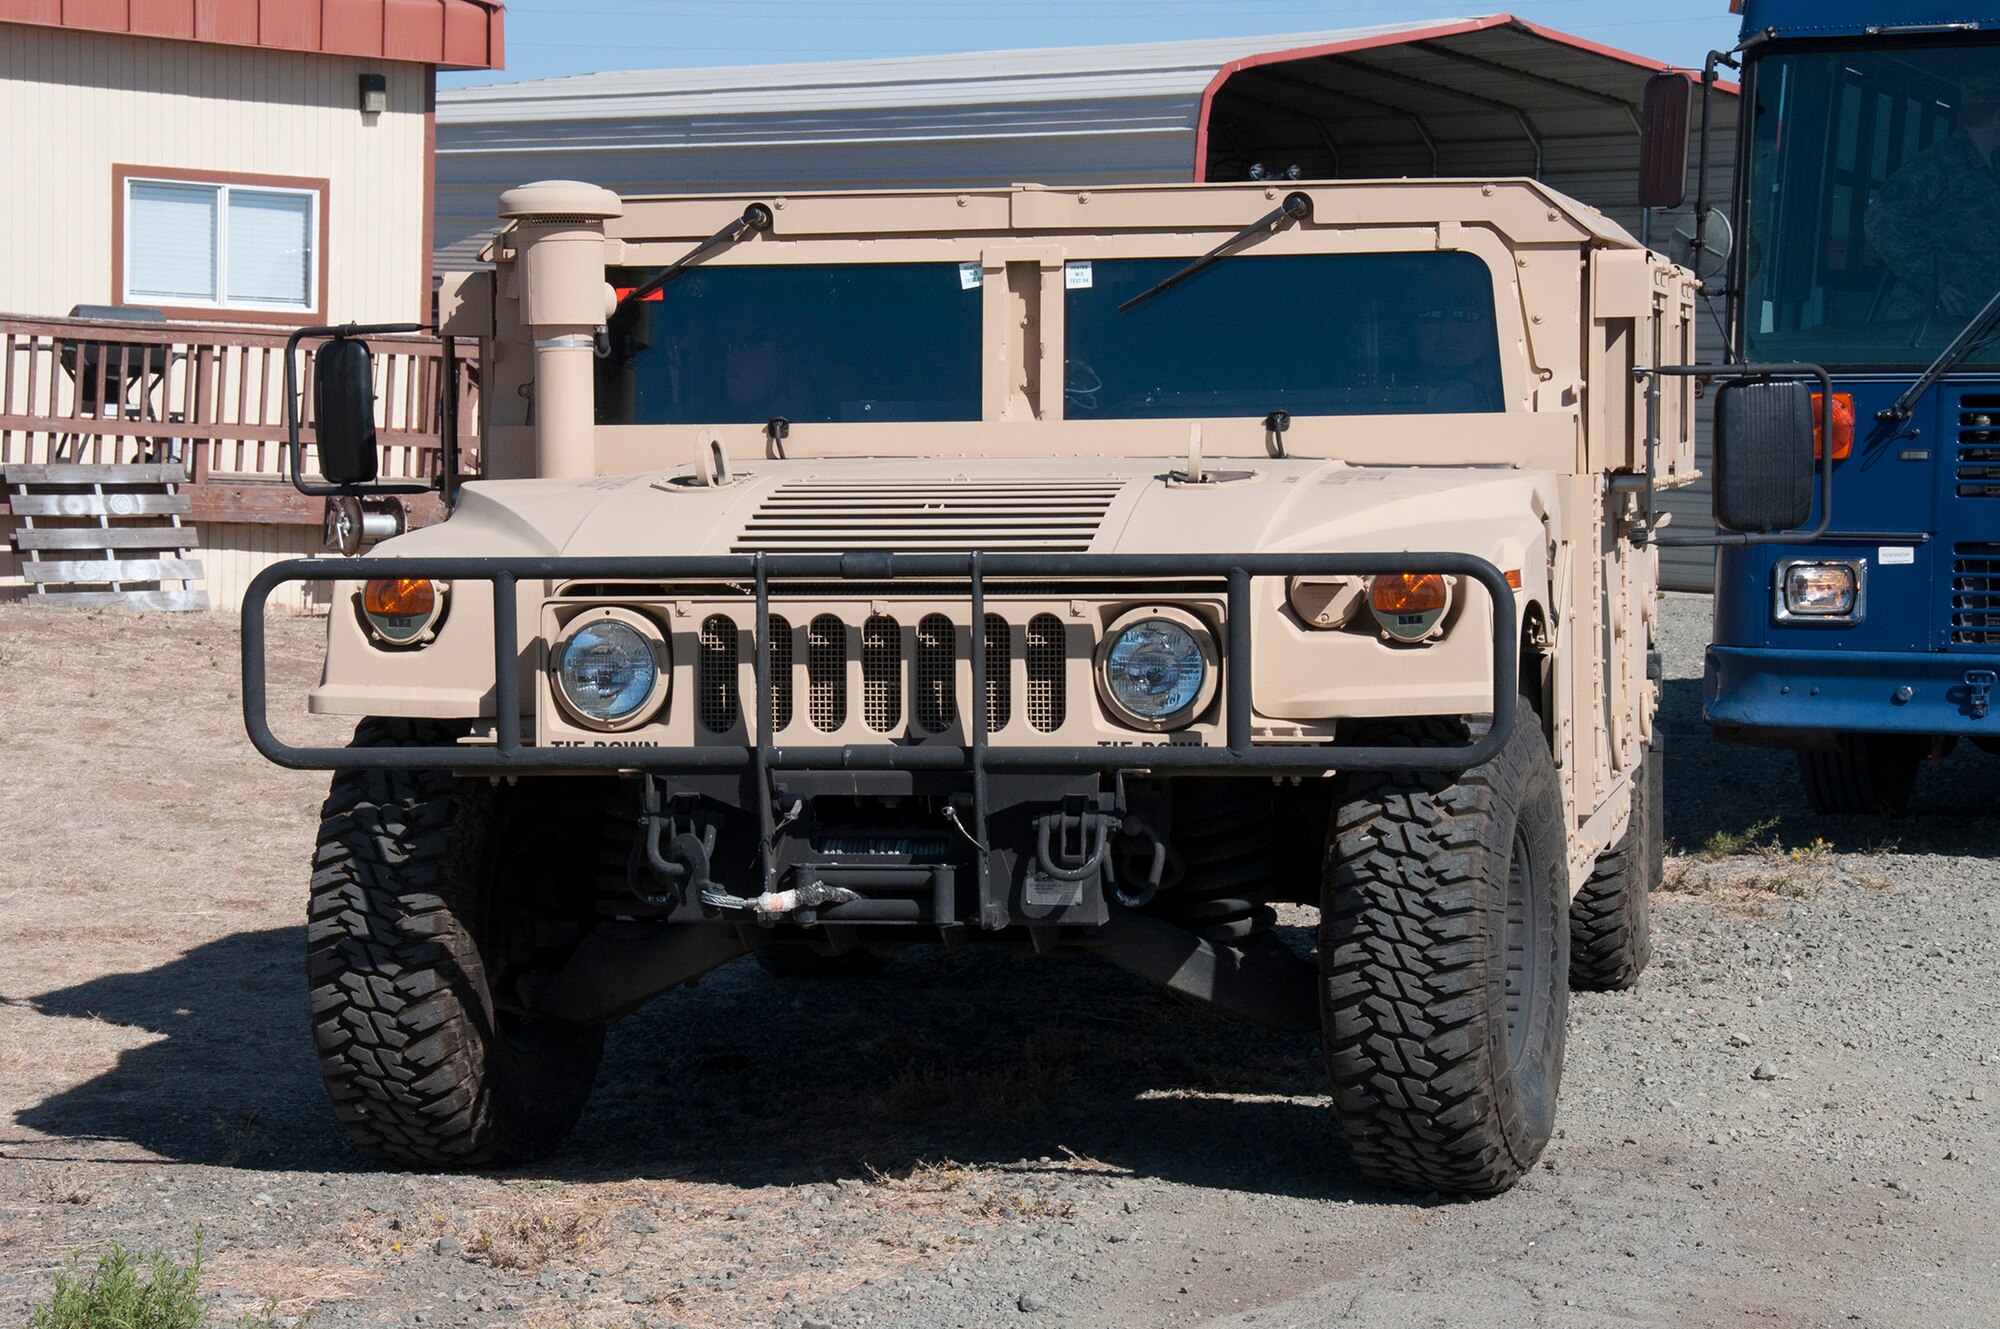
column 1127, row 506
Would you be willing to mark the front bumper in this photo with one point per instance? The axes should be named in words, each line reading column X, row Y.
column 1798, row 698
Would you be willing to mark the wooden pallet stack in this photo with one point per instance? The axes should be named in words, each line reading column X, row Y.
column 105, row 535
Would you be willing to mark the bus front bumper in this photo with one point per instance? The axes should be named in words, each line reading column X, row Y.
column 1801, row 699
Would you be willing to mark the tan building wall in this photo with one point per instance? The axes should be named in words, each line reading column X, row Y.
column 76, row 104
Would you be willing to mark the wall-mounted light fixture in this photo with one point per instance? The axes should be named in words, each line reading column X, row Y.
column 374, row 94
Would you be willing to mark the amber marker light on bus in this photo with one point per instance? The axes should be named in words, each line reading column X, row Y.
column 402, row 611
column 1843, row 425
column 1408, row 606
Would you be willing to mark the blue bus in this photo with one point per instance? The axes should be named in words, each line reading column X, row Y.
column 1866, row 221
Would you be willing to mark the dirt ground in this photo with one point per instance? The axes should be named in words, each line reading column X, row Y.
column 1790, row 1123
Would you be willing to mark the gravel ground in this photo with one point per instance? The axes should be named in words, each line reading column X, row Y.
column 1790, row 1123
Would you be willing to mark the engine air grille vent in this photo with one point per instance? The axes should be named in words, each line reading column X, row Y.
column 717, row 702
column 936, row 680
column 826, row 672
column 929, row 516
column 781, row 672
column 999, row 687
column 881, row 673
column 1975, row 595
column 1046, row 702
column 1979, row 446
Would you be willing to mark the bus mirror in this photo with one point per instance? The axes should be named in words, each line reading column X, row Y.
column 1763, row 456
column 344, row 410
column 1666, row 112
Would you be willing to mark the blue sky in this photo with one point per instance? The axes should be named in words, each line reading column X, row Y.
column 552, row 37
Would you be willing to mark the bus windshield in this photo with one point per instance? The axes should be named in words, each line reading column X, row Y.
column 1873, row 203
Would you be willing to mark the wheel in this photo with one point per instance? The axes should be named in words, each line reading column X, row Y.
column 1867, row 774
column 803, row 962
column 1444, row 965
column 424, row 888
column 1611, row 918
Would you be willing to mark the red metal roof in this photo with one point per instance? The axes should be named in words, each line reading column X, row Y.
column 456, row 34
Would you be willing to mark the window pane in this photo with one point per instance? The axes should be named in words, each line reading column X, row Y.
column 270, row 249
column 170, row 247
column 1872, row 209
column 1311, row 334
column 812, row 343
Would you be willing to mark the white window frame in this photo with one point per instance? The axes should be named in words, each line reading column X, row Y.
column 222, row 190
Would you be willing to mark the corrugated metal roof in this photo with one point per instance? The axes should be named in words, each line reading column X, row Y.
column 454, row 34
column 1432, row 96
column 1147, row 69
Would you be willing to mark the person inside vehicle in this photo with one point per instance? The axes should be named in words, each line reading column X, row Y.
column 1459, row 354
column 1936, row 221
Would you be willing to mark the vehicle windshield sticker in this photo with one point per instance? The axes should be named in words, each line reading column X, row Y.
column 1076, row 276
column 970, row 276
column 1889, row 555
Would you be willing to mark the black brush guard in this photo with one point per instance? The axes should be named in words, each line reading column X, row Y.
column 507, row 754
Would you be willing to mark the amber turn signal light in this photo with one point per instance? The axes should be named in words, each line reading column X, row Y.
column 399, row 597
column 1407, row 593
column 1843, row 425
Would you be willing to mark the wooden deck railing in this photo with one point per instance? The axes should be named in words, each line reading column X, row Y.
column 211, row 399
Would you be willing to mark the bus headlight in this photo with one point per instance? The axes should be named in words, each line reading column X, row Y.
column 610, row 668
column 1819, row 590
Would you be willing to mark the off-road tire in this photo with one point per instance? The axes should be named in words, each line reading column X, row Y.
column 804, row 964
column 1444, row 965
column 422, row 1071
column 1865, row 775
column 1611, row 918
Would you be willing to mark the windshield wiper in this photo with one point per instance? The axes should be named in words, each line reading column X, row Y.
column 1296, row 207
column 1970, row 339
column 756, row 217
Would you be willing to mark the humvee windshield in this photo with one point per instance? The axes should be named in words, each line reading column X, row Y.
column 1311, row 334
column 813, row 343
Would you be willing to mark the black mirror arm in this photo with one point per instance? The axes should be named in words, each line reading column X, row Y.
column 295, row 447
column 1823, row 445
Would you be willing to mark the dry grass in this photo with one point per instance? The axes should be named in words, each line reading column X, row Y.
column 529, row 1238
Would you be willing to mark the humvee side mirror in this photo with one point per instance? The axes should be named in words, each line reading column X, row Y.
column 344, row 413
column 1763, row 455
column 344, row 407
column 1665, row 114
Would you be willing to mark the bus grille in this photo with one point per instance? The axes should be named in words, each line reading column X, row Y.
column 1975, row 595
column 1978, row 473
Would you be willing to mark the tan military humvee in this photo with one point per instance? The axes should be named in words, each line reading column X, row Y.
column 1053, row 568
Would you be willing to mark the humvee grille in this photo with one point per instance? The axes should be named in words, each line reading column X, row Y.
column 781, row 671
column 1047, row 705
column 934, row 680
column 717, row 703
column 999, row 686
column 1975, row 595
column 826, row 672
column 933, row 516
column 881, row 673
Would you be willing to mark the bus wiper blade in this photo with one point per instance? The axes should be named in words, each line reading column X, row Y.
column 1297, row 207
column 756, row 217
column 1969, row 339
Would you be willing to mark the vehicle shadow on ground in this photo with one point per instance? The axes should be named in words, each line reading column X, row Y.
column 1716, row 793
column 751, row 1080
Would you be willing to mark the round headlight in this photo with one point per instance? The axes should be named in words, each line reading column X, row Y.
column 609, row 672
column 1157, row 670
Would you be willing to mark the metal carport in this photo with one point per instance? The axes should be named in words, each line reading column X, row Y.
column 1484, row 97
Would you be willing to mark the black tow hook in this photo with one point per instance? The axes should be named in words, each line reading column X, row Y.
column 679, row 848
